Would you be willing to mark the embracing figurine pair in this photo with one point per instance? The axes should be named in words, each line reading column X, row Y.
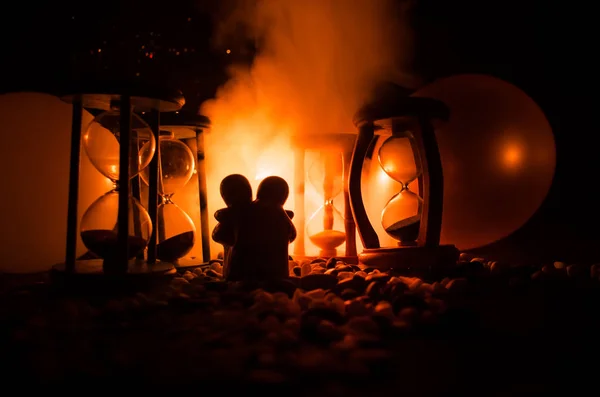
column 255, row 234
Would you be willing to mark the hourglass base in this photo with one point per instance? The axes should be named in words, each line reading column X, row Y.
column 351, row 260
column 90, row 276
column 188, row 263
column 411, row 260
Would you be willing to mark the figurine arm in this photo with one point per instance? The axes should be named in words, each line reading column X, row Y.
column 221, row 215
column 223, row 233
column 290, row 214
column 293, row 232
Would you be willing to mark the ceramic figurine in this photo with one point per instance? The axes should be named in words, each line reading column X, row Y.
column 237, row 194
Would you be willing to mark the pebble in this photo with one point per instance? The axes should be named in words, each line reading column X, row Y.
column 217, row 267
column 362, row 324
column 408, row 314
column 457, row 285
column 345, row 275
column 213, row 273
column 577, row 271
column 385, row 309
column 314, row 281
column 318, row 293
column 179, row 281
column 305, row 269
column 356, row 307
column 378, row 277
column 497, row 268
column 189, row 276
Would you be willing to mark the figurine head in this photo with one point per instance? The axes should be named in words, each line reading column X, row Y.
column 235, row 190
column 274, row 190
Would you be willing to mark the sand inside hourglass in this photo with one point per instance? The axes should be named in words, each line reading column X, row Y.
column 406, row 229
column 104, row 243
column 328, row 239
column 175, row 247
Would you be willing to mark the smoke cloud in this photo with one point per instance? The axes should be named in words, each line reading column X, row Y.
column 317, row 60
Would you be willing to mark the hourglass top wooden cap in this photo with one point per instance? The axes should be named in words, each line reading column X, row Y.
column 339, row 141
column 184, row 118
column 391, row 100
column 99, row 94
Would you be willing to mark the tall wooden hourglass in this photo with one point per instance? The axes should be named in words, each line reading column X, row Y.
column 176, row 232
column 101, row 142
column 325, row 228
column 410, row 153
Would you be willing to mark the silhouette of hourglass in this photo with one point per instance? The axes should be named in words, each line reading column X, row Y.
column 325, row 228
column 101, row 143
column 401, row 216
column 175, row 229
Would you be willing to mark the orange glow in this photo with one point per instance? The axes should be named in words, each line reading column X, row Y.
column 36, row 208
column 507, row 152
column 512, row 156
column 313, row 70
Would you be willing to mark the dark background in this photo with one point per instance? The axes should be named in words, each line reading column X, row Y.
column 545, row 48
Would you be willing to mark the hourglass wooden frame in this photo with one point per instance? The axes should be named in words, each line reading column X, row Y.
column 130, row 99
column 390, row 115
column 342, row 144
column 197, row 125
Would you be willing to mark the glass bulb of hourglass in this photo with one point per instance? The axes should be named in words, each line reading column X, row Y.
column 101, row 144
column 325, row 228
column 397, row 158
column 99, row 226
column 326, row 175
column 176, row 230
column 176, row 167
column 401, row 216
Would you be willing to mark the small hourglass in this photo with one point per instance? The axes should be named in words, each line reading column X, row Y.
column 325, row 228
column 176, row 230
column 101, row 142
column 398, row 157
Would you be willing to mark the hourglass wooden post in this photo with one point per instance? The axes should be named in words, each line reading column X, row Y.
column 113, row 142
column 154, row 123
column 407, row 121
column 299, row 188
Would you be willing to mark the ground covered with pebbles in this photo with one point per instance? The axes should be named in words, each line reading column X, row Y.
column 333, row 329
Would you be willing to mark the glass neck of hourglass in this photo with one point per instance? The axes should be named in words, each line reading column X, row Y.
column 116, row 186
column 166, row 199
column 405, row 186
column 328, row 202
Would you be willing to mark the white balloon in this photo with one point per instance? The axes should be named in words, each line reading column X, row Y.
column 35, row 159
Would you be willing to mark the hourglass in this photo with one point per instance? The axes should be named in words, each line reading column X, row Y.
column 176, row 231
column 119, row 144
column 330, row 225
column 102, row 141
column 325, row 228
column 409, row 154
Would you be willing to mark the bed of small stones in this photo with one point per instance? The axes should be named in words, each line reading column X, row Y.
column 333, row 329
